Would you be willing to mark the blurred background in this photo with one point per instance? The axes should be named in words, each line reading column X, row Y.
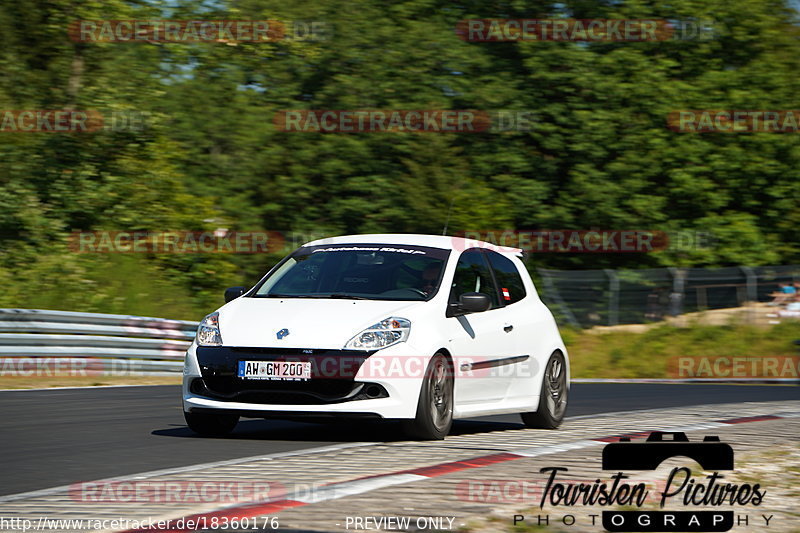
column 599, row 154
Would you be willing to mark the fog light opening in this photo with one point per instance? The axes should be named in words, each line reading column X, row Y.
column 373, row 391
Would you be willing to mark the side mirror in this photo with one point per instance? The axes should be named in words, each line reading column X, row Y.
column 233, row 293
column 474, row 302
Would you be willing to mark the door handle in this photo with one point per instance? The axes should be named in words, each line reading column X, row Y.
column 508, row 328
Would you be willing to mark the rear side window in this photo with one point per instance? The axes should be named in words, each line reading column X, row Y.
column 509, row 281
column 473, row 275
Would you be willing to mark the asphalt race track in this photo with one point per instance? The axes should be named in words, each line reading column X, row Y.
column 57, row 437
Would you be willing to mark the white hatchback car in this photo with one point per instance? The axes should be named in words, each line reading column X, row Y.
column 420, row 328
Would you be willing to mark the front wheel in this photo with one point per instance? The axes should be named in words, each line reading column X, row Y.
column 552, row 397
column 435, row 408
column 211, row 424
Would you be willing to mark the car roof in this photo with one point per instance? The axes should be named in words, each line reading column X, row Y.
column 412, row 239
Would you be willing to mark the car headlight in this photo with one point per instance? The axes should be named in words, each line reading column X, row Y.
column 385, row 333
column 208, row 333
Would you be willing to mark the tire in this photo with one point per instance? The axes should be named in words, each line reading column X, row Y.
column 435, row 407
column 553, row 396
column 211, row 424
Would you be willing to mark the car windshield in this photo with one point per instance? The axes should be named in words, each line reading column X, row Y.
column 363, row 271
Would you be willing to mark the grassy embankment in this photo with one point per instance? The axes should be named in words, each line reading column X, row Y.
column 622, row 354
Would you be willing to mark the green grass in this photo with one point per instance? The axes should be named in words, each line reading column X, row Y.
column 622, row 354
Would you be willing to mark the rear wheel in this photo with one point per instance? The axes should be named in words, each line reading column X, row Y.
column 553, row 396
column 435, row 408
column 211, row 424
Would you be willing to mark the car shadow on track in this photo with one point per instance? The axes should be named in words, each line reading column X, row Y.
column 363, row 431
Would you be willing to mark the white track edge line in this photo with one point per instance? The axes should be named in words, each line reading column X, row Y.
column 200, row 466
column 354, row 487
column 361, row 486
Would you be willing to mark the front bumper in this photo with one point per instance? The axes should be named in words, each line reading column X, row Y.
column 337, row 386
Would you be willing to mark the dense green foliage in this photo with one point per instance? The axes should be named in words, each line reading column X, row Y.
column 598, row 156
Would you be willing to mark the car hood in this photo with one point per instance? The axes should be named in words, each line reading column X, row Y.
column 311, row 323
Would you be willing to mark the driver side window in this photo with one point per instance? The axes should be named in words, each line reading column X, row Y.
column 473, row 275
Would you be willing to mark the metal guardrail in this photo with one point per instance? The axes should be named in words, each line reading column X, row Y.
column 40, row 341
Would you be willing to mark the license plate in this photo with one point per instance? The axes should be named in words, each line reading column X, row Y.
column 275, row 370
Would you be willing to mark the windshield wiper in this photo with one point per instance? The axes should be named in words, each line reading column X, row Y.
column 316, row 296
column 344, row 296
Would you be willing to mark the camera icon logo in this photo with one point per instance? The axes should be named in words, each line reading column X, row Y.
column 711, row 454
